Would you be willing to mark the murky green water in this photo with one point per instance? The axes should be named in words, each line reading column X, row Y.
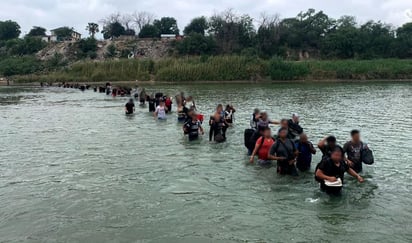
column 73, row 168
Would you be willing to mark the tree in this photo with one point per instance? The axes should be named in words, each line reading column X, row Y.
column 113, row 30
column 149, row 31
column 141, row 19
column 196, row 44
column 232, row 32
column 93, row 28
column 197, row 25
column 9, row 30
column 87, row 47
column 268, row 36
column 63, row 33
column 37, row 31
column 167, row 25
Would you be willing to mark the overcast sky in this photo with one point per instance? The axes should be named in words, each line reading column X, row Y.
column 77, row 13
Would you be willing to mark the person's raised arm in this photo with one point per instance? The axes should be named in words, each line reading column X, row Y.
column 273, row 122
column 322, row 142
column 356, row 175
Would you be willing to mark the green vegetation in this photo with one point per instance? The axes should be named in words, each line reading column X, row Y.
column 224, row 47
column 224, row 68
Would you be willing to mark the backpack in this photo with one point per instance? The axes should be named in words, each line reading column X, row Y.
column 366, row 155
column 247, row 138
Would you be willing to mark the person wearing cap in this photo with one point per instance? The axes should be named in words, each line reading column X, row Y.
column 327, row 145
column 295, row 130
column 160, row 112
column 284, row 152
column 129, row 107
column 331, row 170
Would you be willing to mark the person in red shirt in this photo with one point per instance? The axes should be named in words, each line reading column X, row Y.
column 262, row 147
column 168, row 103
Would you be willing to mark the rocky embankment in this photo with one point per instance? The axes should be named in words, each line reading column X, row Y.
column 124, row 48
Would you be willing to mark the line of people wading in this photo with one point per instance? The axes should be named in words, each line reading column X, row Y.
column 290, row 148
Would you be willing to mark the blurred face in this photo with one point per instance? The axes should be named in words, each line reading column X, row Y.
column 264, row 116
column 295, row 118
column 336, row 156
column 283, row 133
column 356, row 137
column 267, row 133
column 284, row 124
column 219, row 109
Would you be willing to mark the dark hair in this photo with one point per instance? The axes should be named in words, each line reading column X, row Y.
column 283, row 120
column 282, row 129
column 354, row 132
column 337, row 149
column 331, row 139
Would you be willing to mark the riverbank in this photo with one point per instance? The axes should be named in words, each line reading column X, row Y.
column 236, row 69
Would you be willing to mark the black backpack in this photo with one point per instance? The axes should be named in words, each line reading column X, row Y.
column 247, row 138
column 366, row 155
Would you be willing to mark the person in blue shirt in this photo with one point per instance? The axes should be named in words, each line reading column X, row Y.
column 305, row 149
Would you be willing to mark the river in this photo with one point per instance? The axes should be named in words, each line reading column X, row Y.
column 74, row 168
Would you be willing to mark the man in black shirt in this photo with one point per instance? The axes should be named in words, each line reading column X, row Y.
column 333, row 168
column 129, row 107
column 327, row 145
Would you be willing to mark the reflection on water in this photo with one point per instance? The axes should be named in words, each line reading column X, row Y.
column 74, row 168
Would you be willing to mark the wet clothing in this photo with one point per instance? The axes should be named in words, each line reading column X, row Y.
column 294, row 129
column 192, row 129
column 152, row 105
column 328, row 167
column 327, row 150
column 129, row 108
column 253, row 122
column 284, row 149
column 304, row 158
column 265, row 146
column 217, row 130
column 168, row 104
column 353, row 152
column 229, row 116
column 261, row 124
column 161, row 112
column 182, row 114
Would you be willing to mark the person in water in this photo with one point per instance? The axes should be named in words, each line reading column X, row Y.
column 353, row 150
column 218, row 125
column 129, row 107
column 168, row 103
column 264, row 120
column 284, row 152
column 294, row 128
column 182, row 112
column 262, row 148
column 152, row 103
column 254, row 119
column 229, row 114
column 327, row 145
column 190, row 103
column 332, row 168
column 305, row 149
column 160, row 112
column 193, row 127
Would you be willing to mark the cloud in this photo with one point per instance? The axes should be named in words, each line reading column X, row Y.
column 77, row 13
